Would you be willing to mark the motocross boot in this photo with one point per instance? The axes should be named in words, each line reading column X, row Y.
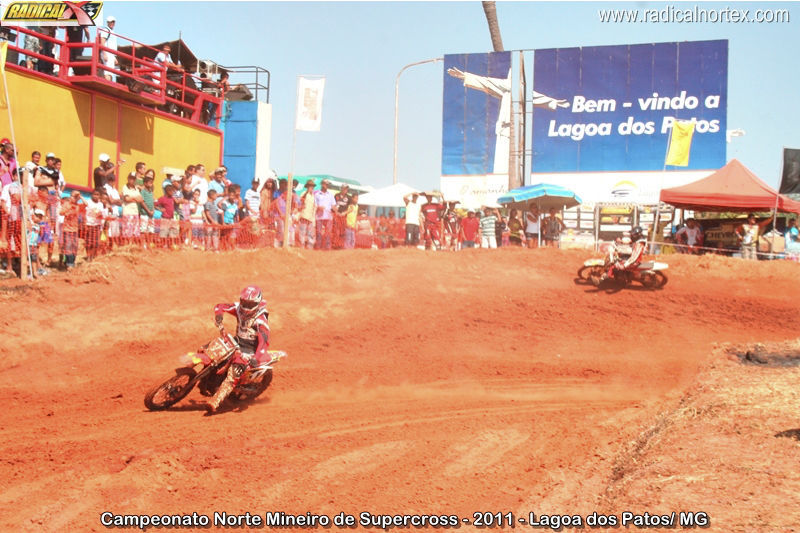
column 224, row 390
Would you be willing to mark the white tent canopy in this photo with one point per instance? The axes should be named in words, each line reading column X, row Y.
column 391, row 196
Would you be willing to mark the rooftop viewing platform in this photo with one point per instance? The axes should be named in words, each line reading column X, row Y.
column 130, row 70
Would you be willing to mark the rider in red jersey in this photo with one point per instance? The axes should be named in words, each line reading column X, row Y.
column 252, row 334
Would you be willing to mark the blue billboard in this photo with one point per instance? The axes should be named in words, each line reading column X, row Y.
column 621, row 102
column 476, row 114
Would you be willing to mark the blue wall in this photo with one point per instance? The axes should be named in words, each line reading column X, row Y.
column 240, row 126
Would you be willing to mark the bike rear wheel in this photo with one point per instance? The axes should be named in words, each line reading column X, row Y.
column 253, row 391
column 654, row 280
column 171, row 391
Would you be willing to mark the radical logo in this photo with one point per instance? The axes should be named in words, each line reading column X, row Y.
column 51, row 13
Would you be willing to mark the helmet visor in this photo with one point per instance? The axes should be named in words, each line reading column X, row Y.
column 248, row 305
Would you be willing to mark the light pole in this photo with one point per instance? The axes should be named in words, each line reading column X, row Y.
column 397, row 103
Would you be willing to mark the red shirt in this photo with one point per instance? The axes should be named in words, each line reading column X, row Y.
column 167, row 204
column 431, row 211
column 470, row 226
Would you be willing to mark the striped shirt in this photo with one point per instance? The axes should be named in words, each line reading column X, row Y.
column 488, row 224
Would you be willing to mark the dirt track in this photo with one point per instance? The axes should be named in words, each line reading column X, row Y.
column 416, row 383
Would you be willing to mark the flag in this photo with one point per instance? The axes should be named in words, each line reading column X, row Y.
column 679, row 144
column 3, row 52
column 790, row 179
column 309, row 104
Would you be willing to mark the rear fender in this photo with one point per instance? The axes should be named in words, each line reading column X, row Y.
column 594, row 262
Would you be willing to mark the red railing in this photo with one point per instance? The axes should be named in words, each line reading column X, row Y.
column 137, row 76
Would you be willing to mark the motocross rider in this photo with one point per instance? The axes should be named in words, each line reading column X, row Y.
column 252, row 335
column 639, row 245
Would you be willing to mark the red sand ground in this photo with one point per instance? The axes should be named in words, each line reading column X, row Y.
column 416, row 383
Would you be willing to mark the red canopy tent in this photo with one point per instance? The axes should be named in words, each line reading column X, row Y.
column 732, row 188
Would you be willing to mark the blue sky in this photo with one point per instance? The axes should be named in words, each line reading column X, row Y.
column 361, row 46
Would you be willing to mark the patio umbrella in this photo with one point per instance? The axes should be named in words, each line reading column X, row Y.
column 544, row 195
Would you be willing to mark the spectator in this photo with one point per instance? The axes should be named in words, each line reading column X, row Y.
column 140, row 170
column 532, row 223
column 69, row 229
column 102, row 174
column 516, row 236
column 211, row 216
column 230, row 216
column 196, row 218
column 365, row 236
column 265, row 204
column 47, row 175
column 451, row 226
column 95, row 217
column 147, row 208
column 791, row 237
column 111, row 190
column 552, row 229
column 469, row 230
column 113, row 217
column 32, row 45
column 132, row 199
column 45, row 66
column 431, row 215
column 61, row 183
column 342, row 203
column 383, row 232
column 279, row 212
column 217, row 182
column 489, row 227
column 413, row 208
column 39, row 226
column 165, row 59
column 325, row 203
column 8, row 162
column 691, row 235
column 46, row 231
column 32, row 166
column 747, row 234
column 501, row 231
column 109, row 40
column 252, row 199
column 199, row 181
column 305, row 223
column 168, row 229
column 351, row 223
column 77, row 34
column 397, row 229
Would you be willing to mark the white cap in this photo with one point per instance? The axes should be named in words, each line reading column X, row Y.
column 104, row 158
column 110, row 18
column 38, row 212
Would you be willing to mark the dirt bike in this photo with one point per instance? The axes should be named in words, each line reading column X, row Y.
column 649, row 273
column 207, row 369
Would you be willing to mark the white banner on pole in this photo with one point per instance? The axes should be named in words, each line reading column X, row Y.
column 309, row 103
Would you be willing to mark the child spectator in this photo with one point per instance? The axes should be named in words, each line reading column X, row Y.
column 95, row 216
column 147, row 209
column 196, row 218
column 70, row 210
column 168, row 230
column 350, row 222
column 33, row 242
column 131, row 198
column 383, row 232
column 211, row 217
column 230, row 216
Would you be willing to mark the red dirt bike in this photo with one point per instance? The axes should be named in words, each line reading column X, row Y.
column 649, row 273
column 207, row 369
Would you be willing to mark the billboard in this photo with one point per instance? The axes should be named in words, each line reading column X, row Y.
column 622, row 101
column 476, row 114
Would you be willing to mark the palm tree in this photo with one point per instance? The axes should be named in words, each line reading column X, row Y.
column 494, row 26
